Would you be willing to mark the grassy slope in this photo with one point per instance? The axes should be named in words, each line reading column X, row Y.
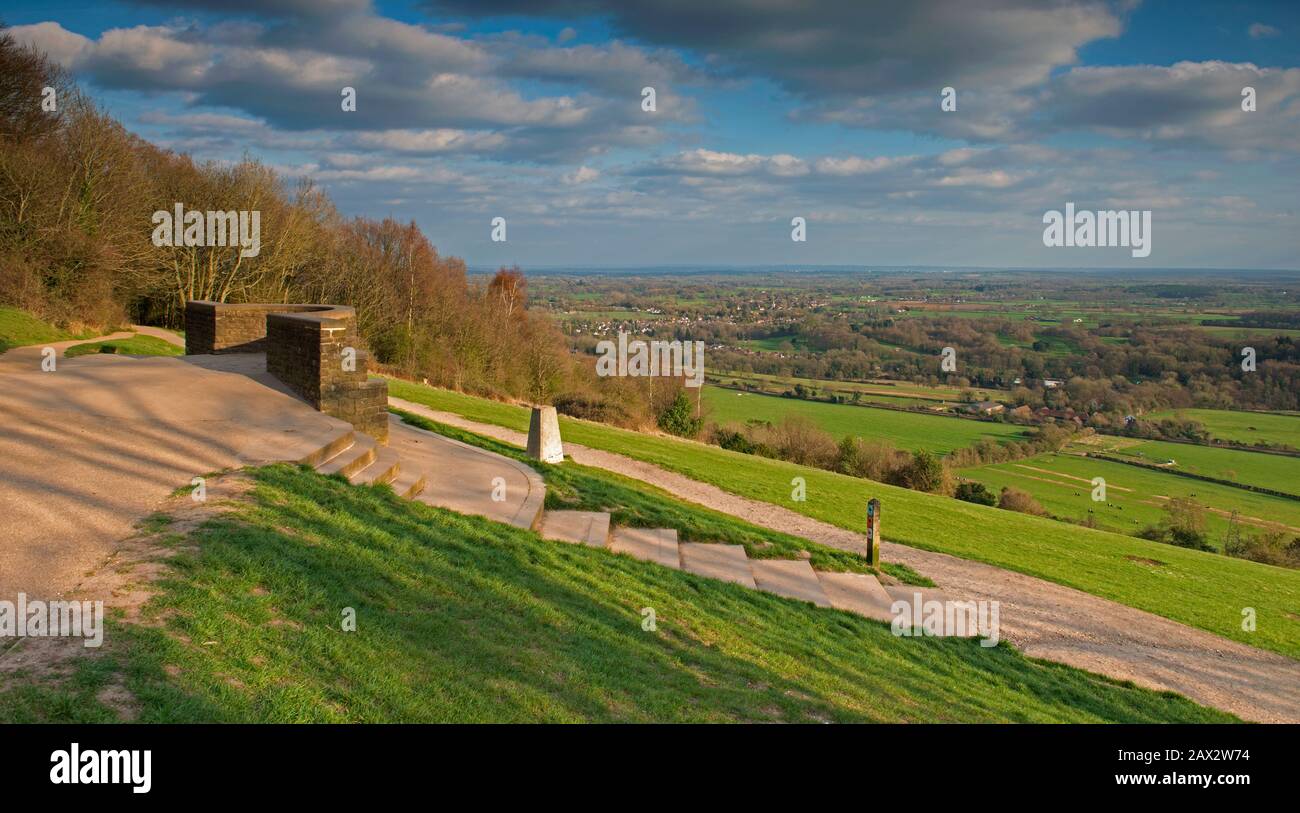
column 905, row 430
column 19, row 328
column 1201, row 589
column 461, row 619
column 137, row 345
column 1126, row 511
column 1241, row 427
column 635, row 504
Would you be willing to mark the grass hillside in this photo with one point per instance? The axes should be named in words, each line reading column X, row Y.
column 906, row 430
column 19, row 328
column 631, row 503
column 460, row 619
column 1242, row 427
column 1201, row 589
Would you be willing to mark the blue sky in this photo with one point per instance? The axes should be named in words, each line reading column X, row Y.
column 468, row 110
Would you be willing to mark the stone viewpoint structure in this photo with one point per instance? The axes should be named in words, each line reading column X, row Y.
column 544, row 435
column 312, row 349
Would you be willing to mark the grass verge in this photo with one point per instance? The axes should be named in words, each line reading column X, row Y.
column 137, row 345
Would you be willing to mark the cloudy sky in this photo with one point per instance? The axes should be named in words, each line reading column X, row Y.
column 829, row 110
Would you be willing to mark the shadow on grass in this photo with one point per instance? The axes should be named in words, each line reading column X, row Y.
column 463, row 619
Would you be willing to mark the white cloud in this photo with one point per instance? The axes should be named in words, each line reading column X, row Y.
column 62, row 46
column 441, row 140
column 581, row 175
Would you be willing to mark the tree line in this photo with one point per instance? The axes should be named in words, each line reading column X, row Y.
column 77, row 197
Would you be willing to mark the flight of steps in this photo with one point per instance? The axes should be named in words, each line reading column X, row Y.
column 364, row 461
column 860, row 593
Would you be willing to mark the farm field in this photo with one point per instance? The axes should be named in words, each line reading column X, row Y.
column 1242, row 427
column 776, row 387
column 1202, row 589
column 772, row 344
column 1062, row 484
column 906, row 430
column 1249, row 332
column 878, row 390
column 1278, row 472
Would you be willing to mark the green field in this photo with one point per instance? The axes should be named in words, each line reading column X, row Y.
column 1278, row 472
column 882, row 391
column 772, row 344
column 906, row 430
column 459, row 619
column 1204, row 590
column 1241, row 427
column 1062, row 483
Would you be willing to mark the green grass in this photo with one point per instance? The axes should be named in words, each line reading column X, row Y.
column 772, row 344
column 881, row 390
column 1278, row 472
column 635, row 504
column 1204, row 590
column 19, row 329
column 137, row 345
column 906, row 430
column 459, row 619
column 1065, row 489
column 1241, row 427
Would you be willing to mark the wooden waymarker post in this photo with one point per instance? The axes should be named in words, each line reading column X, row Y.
column 873, row 532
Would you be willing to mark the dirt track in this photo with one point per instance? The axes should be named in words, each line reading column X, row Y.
column 1043, row 619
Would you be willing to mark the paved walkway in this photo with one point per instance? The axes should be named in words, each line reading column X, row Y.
column 90, row 448
column 1043, row 619
column 468, row 479
column 160, row 333
column 94, row 446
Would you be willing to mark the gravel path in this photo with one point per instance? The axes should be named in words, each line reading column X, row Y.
column 1043, row 619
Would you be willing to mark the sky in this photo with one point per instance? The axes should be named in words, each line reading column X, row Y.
column 765, row 110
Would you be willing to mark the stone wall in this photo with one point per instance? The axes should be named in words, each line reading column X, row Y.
column 313, row 349
column 220, row 327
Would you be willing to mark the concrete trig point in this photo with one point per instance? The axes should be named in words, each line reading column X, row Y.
column 544, row 435
column 873, row 532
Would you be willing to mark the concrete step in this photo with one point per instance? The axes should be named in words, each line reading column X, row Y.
column 352, row 459
column 726, row 562
column 658, row 545
column 409, row 482
column 792, row 578
column 859, row 593
column 590, row 528
column 383, row 469
column 332, row 443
